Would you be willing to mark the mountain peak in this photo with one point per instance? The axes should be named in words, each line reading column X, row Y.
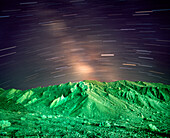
column 90, row 99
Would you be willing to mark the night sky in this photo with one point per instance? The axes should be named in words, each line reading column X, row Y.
column 48, row 42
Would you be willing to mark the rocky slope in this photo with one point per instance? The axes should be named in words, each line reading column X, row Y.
column 134, row 108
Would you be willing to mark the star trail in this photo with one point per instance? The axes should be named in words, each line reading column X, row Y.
column 48, row 42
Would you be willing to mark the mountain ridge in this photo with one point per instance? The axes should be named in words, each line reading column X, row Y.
column 142, row 94
column 125, row 104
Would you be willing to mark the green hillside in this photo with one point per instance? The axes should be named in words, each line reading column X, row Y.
column 139, row 105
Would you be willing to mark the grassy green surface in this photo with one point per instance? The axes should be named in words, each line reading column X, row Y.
column 87, row 108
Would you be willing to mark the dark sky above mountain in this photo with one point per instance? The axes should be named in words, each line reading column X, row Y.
column 47, row 42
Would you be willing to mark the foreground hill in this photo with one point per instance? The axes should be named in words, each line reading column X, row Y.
column 87, row 109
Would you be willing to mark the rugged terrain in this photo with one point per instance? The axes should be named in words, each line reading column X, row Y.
column 87, row 108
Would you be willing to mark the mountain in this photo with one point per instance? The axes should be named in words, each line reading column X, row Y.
column 141, row 105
